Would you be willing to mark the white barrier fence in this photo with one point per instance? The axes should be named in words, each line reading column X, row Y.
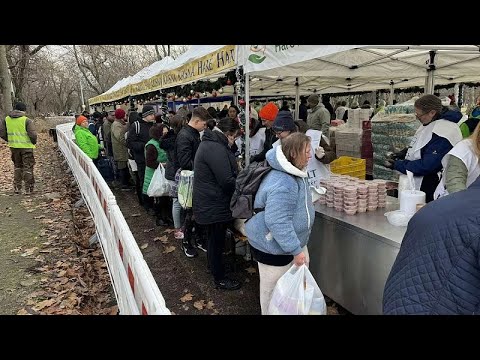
column 135, row 288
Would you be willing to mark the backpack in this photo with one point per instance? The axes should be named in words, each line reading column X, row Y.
column 246, row 187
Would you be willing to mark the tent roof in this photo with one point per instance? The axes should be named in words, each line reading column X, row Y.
column 343, row 68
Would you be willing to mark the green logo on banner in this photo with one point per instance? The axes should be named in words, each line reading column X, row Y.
column 257, row 59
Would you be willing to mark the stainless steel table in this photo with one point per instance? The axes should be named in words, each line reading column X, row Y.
column 351, row 255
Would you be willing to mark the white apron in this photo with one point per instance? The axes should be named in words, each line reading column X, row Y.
column 465, row 152
column 256, row 142
column 442, row 128
column 316, row 170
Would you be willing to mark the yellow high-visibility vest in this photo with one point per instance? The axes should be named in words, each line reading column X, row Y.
column 17, row 133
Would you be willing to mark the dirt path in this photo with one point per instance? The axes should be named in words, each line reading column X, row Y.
column 45, row 262
column 184, row 283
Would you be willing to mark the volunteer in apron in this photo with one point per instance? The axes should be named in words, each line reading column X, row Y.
column 460, row 167
column 437, row 135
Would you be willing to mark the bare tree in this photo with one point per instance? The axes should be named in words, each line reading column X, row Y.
column 20, row 58
column 5, row 80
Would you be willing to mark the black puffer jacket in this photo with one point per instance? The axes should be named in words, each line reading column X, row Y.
column 186, row 145
column 214, row 179
column 168, row 144
column 136, row 142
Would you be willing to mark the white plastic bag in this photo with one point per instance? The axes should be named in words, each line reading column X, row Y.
column 159, row 185
column 297, row 293
column 185, row 189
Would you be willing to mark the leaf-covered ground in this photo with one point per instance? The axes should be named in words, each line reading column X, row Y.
column 46, row 263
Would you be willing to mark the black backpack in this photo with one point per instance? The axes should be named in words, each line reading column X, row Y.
column 246, row 187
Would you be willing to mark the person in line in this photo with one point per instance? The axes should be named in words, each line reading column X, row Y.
column 437, row 269
column 138, row 136
column 461, row 166
column 213, row 186
column 154, row 155
column 318, row 116
column 85, row 140
column 119, row 146
column 18, row 130
column 267, row 114
column 437, row 135
column 168, row 144
column 186, row 145
column 233, row 112
column 278, row 235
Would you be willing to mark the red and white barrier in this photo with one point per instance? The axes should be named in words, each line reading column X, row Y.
column 135, row 288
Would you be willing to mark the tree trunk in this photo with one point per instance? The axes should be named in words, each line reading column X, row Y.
column 6, row 83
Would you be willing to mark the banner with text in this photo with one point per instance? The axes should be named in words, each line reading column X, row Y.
column 197, row 69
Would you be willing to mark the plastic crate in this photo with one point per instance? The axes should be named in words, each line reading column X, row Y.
column 346, row 165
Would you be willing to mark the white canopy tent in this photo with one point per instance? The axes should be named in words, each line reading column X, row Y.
column 342, row 68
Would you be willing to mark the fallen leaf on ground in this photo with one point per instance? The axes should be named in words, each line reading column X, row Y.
column 148, row 230
column 135, row 215
column 144, row 246
column 168, row 231
column 29, row 211
column 23, row 312
column 186, row 297
column 29, row 251
column 251, row 270
column 200, row 304
column 39, row 217
column 168, row 249
column 163, row 239
column 113, row 310
column 210, row 305
column 43, row 304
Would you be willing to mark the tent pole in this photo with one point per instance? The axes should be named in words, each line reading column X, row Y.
column 247, row 119
column 429, row 82
column 297, row 99
column 392, row 92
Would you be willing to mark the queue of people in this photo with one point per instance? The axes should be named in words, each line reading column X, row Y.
column 445, row 167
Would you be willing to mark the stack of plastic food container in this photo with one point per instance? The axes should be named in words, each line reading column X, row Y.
column 382, row 192
column 323, row 198
column 362, row 195
column 338, row 196
column 372, row 203
column 350, row 201
column 329, row 198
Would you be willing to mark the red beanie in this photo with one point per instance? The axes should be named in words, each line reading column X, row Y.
column 80, row 120
column 269, row 111
column 119, row 114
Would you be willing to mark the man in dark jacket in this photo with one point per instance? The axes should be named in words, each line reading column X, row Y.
column 437, row 269
column 213, row 186
column 303, row 109
column 138, row 136
column 186, row 145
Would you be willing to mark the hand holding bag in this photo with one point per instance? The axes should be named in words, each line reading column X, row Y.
column 159, row 185
column 297, row 293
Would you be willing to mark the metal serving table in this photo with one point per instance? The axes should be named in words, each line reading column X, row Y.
column 351, row 255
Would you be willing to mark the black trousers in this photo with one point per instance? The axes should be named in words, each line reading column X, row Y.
column 216, row 246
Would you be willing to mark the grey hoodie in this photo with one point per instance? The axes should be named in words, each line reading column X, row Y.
column 32, row 134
